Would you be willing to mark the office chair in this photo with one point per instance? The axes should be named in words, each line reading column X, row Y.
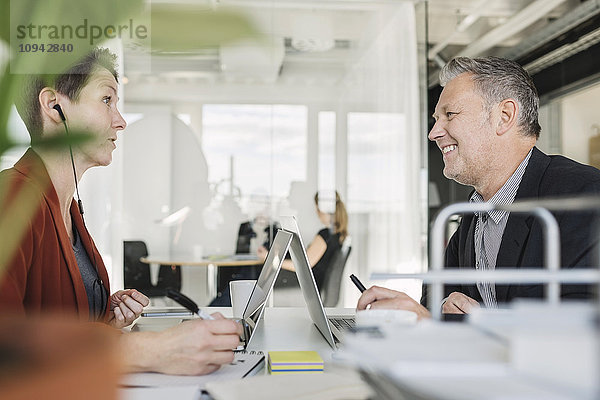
column 226, row 274
column 245, row 234
column 330, row 291
column 136, row 274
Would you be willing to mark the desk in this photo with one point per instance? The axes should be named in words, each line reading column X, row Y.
column 282, row 328
column 457, row 361
column 210, row 264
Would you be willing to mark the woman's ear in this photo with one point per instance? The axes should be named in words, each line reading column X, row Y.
column 48, row 98
column 509, row 112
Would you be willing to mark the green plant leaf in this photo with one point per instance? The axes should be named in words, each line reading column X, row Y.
column 8, row 87
column 5, row 20
column 63, row 141
column 193, row 28
column 59, row 13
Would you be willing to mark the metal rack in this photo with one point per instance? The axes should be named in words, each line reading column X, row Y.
column 552, row 276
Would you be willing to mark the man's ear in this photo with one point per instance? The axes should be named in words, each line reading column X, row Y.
column 509, row 112
column 48, row 98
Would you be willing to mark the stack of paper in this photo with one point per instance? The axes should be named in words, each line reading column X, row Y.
column 295, row 362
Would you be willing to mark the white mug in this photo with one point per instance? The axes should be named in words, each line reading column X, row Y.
column 198, row 251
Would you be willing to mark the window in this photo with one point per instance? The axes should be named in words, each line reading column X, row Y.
column 326, row 150
column 254, row 151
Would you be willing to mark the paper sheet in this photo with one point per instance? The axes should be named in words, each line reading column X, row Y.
column 161, row 393
column 345, row 385
column 243, row 364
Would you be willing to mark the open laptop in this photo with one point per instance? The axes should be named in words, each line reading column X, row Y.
column 332, row 327
column 264, row 284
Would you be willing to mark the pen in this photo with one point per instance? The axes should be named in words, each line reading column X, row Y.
column 358, row 283
column 188, row 303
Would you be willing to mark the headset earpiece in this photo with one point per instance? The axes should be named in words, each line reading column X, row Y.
column 60, row 112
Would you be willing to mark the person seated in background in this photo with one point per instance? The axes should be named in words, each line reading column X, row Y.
column 56, row 266
column 326, row 243
column 486, row 128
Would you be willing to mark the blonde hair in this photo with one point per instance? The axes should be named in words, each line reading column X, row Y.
column 340, row 216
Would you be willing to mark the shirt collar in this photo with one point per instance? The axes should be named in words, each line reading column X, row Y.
column 506, row 194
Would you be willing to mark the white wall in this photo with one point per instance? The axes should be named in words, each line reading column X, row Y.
column 580, row 112
column 163, row 171
column 147, row 178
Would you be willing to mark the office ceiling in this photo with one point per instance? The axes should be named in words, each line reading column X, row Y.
column 316, row 40
column 536, row 33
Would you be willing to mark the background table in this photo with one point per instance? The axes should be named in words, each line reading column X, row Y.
column 212, row 264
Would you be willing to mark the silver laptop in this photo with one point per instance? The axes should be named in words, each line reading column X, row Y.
column 332, row 327
column 264, row 285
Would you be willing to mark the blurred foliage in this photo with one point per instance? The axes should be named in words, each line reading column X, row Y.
column 181, row 28
column 193, row 28
column 16, row 213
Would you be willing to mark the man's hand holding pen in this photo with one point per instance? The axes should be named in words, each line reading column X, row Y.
column 379, row 297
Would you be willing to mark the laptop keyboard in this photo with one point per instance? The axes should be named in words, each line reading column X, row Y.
column 342, row 323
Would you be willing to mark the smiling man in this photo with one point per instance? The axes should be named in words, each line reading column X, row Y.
column 486, row 128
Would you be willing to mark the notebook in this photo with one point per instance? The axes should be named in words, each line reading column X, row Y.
column 244, row 364
column 295, row 362
column 331, row 327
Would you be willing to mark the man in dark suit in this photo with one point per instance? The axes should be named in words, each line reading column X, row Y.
column 486, row 128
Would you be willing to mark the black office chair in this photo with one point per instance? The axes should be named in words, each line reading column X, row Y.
column 136, row 274
column 228, row 274
column 245, row 235
column 330, row 291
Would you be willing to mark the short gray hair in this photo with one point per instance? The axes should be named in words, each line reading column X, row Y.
column 499, row 79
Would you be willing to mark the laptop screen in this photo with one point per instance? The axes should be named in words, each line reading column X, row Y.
column 264, row 285
column 306, row 279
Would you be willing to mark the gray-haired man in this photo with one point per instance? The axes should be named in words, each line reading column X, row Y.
column 486, row 128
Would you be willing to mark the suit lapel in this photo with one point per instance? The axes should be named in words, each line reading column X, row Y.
column 469, row 254
column 518, row 226
column 470, row 243
column 70, row 261
column 515, row 235
column 32, row 165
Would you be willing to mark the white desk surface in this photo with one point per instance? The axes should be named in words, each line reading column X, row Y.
column 282, row 328
column 292, row 329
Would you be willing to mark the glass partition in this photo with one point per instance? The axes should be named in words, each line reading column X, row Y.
column 249, row 130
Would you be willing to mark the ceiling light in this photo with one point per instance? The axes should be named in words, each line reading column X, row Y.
column 312, row 45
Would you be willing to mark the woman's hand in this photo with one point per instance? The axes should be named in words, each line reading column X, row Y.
column 125, row 307
column 195, row 347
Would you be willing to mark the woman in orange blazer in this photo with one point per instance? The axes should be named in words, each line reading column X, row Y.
column 56, row 266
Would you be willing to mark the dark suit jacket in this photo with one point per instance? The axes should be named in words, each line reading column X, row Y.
column 522, row 242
